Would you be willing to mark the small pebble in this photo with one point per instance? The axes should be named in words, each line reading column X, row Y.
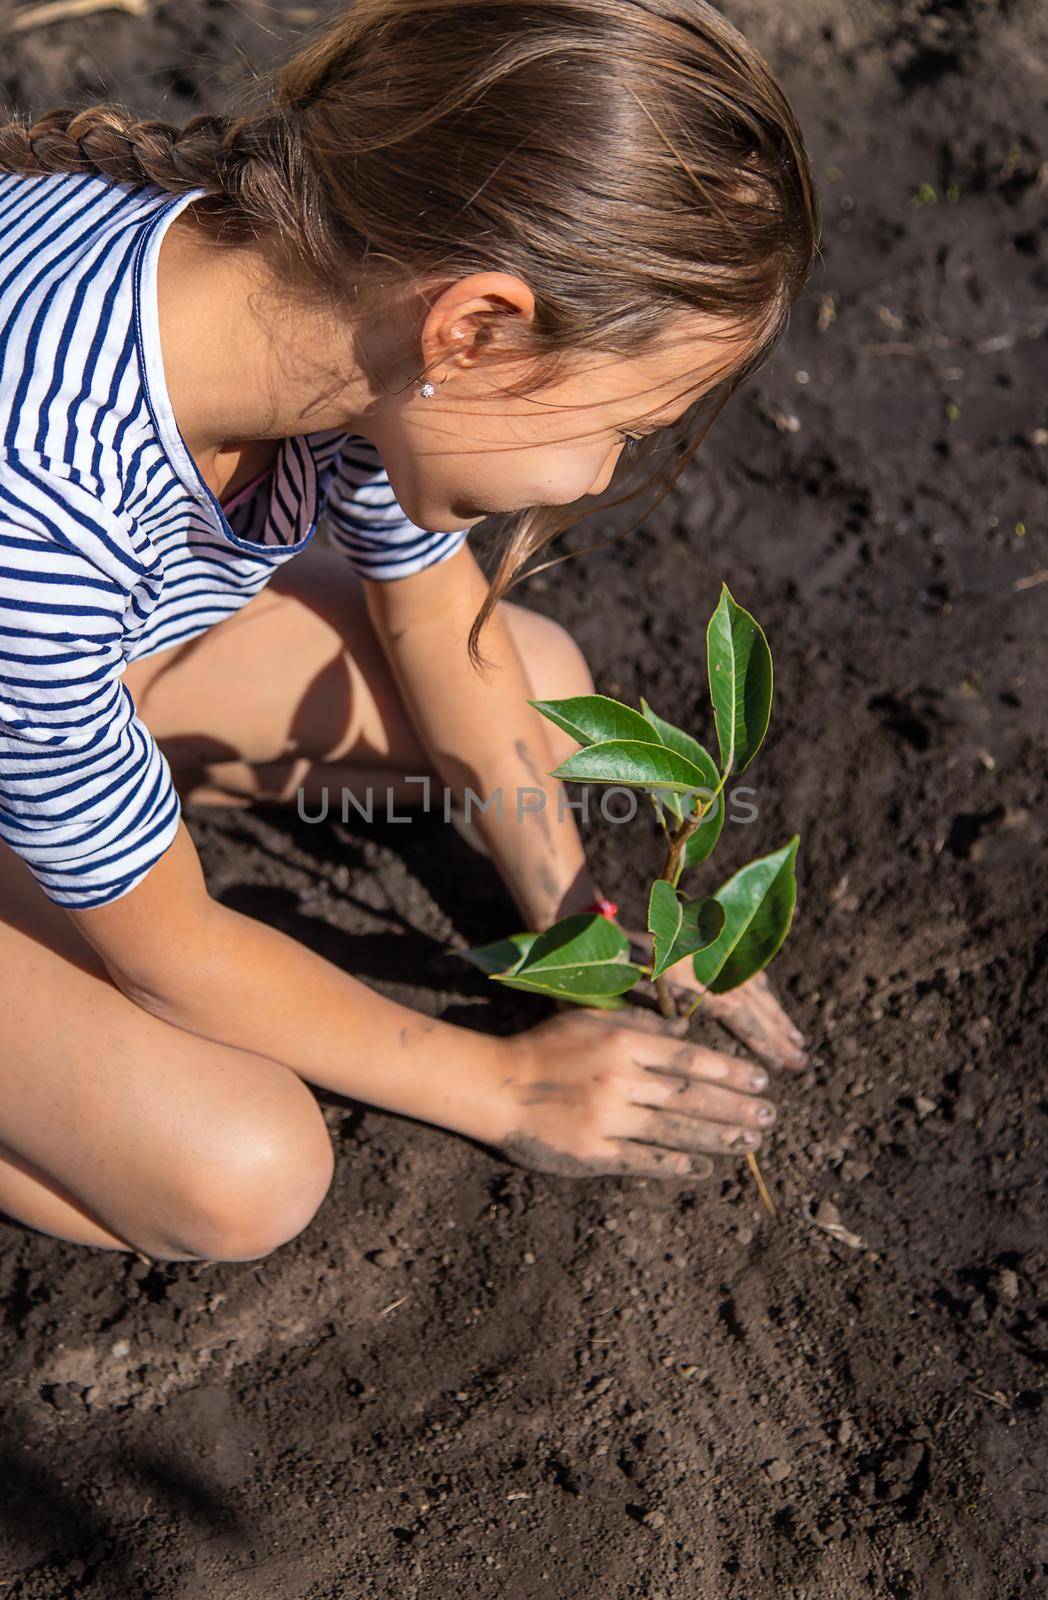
column 778, row 1471
column 1008, row 1284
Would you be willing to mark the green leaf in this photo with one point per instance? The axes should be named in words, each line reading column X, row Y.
column 739, row 665
column 633, row 765
column 758, row 907
column 582, row 958
column 664, row 917
column 593, row 717
column 601, row 1002
column 500, row 957
column 676, row 739
column 702, row 841
column 680, row 927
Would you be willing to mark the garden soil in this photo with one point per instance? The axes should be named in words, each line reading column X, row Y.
column 464, row 1379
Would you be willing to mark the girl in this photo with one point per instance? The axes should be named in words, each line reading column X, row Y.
column 455, row 255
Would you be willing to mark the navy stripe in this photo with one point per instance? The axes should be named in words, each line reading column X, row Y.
column 111, row 546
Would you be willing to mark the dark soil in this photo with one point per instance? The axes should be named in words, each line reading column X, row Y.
column 464, row 1379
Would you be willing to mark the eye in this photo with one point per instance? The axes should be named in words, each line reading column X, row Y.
column 632, row 442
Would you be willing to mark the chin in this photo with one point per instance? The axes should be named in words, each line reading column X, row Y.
column 454, row 522
column 464, row 514
column 440, row 518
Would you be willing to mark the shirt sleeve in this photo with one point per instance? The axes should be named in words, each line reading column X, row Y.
column 86, row 797
column 367, row 523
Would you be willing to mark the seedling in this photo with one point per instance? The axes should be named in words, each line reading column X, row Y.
column 729, row 935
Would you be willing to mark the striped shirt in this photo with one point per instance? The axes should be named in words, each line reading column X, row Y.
column 112, row 546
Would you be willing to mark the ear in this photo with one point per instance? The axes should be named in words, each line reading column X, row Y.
column 459, row 322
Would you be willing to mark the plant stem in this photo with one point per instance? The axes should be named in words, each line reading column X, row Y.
column 696, row 1003
column 672, row 868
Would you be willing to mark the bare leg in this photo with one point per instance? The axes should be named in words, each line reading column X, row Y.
column 116, row 1129
column 121, row 1131
column 295, row 691
column 26, row 1193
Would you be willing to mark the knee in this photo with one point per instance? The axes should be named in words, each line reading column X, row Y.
column 262, row 1184
column 553, row 661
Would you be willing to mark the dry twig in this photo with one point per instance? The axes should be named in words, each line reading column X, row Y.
column 762, row 1188
column 63, row 10
column 997, row 1398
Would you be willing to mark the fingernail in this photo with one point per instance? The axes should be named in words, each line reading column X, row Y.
column 758, row 1080
column 751, row 1138
column 765, row 1114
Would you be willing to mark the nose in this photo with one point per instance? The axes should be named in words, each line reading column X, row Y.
column 604, row 477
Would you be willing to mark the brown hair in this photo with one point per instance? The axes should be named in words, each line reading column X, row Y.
column 630, row 160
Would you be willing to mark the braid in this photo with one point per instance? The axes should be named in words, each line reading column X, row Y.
column 253, row 168
column 110, row 141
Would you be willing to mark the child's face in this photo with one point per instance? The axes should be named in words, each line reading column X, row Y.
column 471, row 450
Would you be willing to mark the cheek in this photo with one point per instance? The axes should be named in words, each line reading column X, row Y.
column 547, row 475
column 447, row 488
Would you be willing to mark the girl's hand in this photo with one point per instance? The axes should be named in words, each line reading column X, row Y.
column 751, row 1012
column 588, row 1093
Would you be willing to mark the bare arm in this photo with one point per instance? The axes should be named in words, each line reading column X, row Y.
column 207, row 969
column 577, row 1095
column 480, row 732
